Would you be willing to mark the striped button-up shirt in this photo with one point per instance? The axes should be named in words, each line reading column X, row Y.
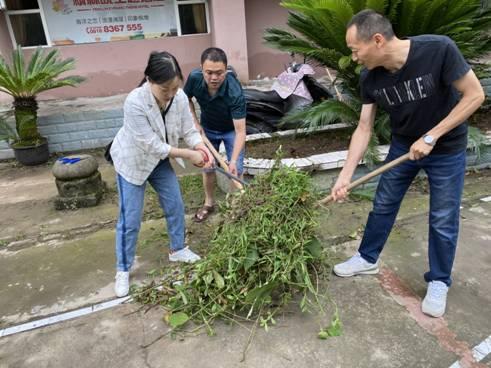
column 141, row 142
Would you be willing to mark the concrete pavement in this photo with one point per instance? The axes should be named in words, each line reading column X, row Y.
column 56, row 261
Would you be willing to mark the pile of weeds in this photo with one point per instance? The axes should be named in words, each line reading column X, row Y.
column 263, row 255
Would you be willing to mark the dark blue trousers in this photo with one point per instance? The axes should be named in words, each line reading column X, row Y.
column 446, row 179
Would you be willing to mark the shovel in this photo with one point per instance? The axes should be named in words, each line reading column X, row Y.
column 369, row 176
column 218, row 157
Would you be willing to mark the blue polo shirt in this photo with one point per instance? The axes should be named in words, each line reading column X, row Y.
column 218, row 111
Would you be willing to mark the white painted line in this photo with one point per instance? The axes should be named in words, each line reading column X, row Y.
column 486, row 199
column 63, row 317
column 479, row 352
column 482, row 350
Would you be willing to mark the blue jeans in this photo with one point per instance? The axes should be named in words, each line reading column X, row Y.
column 446, row 179
column 228, row 138
column 131, row 199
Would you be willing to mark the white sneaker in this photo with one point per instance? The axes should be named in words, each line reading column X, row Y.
column 184, row 255
column 435, row 300
column 356, row 265
column 122, row 284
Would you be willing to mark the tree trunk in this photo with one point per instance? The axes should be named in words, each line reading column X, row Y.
column 26, row 121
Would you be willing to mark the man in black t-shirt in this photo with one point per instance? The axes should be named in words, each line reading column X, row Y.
column 417, row 81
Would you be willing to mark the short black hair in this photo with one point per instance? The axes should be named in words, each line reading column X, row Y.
column 162, row 67
column 214, row 54
column 368, row 22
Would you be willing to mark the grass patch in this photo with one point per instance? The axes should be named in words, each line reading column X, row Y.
column 158, row 237
column 192, row 191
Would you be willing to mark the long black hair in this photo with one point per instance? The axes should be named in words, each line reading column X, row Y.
column 161, row 67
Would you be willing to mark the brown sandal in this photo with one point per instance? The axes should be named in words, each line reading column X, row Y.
column 203, row 213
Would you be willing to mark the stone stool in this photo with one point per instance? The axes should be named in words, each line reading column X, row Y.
column 78, row 181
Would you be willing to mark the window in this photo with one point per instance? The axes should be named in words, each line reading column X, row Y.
column 67, row 22
column 193, row 16
column 25, row 22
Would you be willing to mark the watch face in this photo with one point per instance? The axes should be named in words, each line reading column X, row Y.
column 428, row 139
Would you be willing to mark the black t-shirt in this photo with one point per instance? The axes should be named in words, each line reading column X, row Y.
column 420, row 94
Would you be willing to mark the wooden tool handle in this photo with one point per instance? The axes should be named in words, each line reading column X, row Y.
column 369, row 176
column 220, row 159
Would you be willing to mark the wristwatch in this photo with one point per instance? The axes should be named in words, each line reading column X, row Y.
column 429, row 139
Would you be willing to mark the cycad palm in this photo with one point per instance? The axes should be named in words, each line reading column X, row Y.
column 23, row 83
column 320, row 26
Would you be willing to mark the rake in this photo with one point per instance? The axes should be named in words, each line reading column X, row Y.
column 369, row 176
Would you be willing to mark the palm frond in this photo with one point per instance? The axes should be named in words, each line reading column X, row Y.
column 18, row 63
column 23, row 82
column 340, row 10
column 324, row 113
column 381, row 127
column 285, row 41
column 392, row 11
column 431, row 18
column 476, row 141
column 377, row 5
column 372, row 154
column 406, row 19
column 357, row 5
column 41, row 74
column 7, row 132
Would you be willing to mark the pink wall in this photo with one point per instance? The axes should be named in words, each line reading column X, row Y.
column 114, row 67
column 111, row 68
column 229, row 33
column 117, row 67
column 263, row 60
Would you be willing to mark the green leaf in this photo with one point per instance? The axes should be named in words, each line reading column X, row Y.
column 260, row 293
column 178, row 319
column 251, row 258
column 344, row 62
column 183, row 297
column 218, row 279
column 314, row 247
column 323, row 335
column 354, row 234
column 334, row 329
column 208, row 278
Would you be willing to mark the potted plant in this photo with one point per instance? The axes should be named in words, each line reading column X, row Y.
column 23, row 81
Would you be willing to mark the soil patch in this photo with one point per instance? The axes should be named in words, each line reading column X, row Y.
column 305, row 145
column 301, row 145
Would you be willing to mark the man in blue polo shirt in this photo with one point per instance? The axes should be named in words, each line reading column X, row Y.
column 223, row 112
